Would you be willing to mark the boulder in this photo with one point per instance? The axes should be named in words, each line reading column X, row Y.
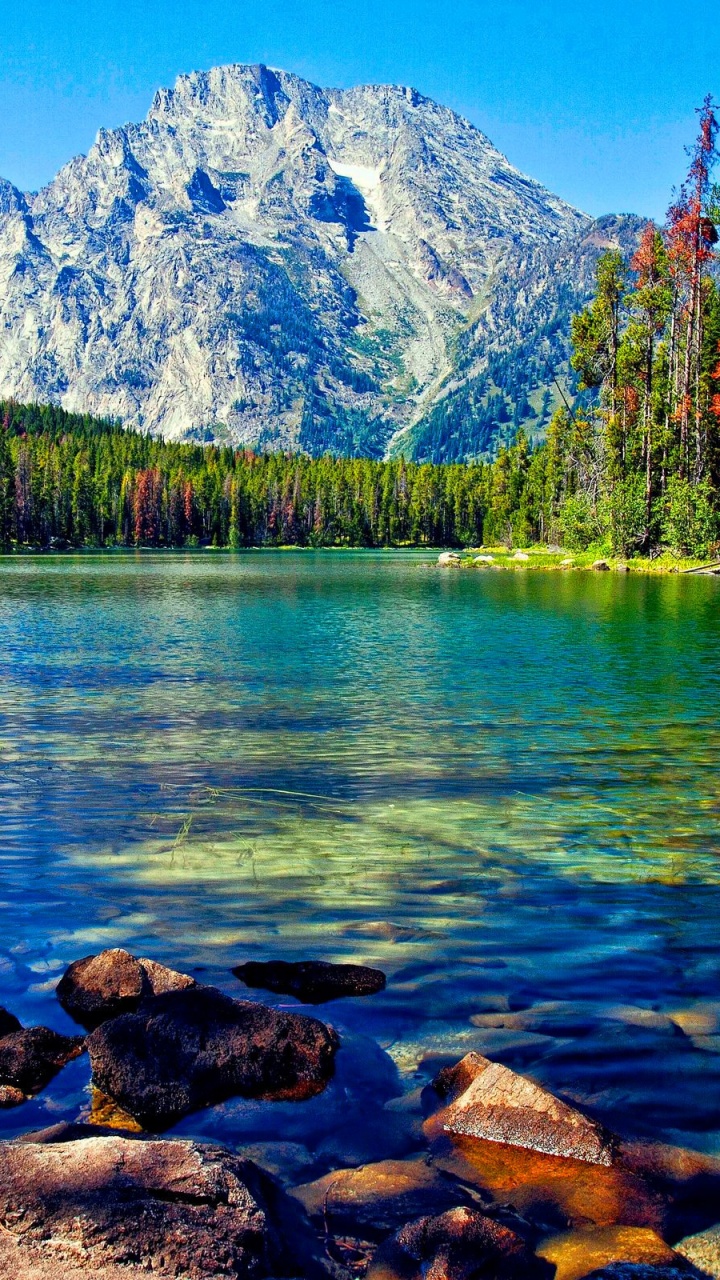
column 575, row 1254
column 461, row 1244
column 170, row 1208
column 703, row 1251
column 378, row 1198
column 30, row 1057
column 521, row 557
column 491, row 1102
column 448, row 559
column 600, row 565
column 103, row 986
column 8, row 1022
column 188, row 1049
column 311, row 981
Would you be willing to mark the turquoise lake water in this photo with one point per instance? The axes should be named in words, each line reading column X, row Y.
column 501, row 788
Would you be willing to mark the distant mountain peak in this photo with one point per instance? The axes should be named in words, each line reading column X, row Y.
column 280, row 264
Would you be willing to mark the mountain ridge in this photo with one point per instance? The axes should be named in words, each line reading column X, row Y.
column 271, row 263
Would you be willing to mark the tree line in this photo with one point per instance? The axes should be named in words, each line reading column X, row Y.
column 636, row 471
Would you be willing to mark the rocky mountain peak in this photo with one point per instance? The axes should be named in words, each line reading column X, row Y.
column 270, row 262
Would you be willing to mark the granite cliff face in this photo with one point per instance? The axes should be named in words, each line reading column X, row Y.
column 268, row 262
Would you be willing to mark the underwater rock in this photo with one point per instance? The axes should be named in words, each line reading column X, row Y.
column 311, row 981
column 460, row 1244
column 552, row 1191
column 188, row 1049
column 30, row 1057
column 577, row 1253
column 113, row 982
column 8, row 1022
column 378, row 1198
column 703, row 1251
column 169, row 1207
column 489, row 1101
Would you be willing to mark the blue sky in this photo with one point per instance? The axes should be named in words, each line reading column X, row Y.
column 596, row 101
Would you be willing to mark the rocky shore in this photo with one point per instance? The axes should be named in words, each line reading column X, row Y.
column 551, row 558
column 483, row 1175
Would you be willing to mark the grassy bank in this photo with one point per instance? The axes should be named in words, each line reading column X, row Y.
column 541, row 558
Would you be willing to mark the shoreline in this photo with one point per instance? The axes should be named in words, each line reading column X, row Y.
column 526, row 559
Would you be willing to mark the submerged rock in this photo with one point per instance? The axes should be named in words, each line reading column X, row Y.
column 312, row 981
column 703, row 1250
column 378, row 1198
column 170, row 1208
column 575, row 1254
column 188, row 1049
column 29, row 1058
column 102, row 986
column 461, row 1244
column 8, row 1022
column 489, row 1101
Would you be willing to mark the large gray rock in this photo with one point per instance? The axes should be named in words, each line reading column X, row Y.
column 173, row 1209
column 188, row 1049
column 489, row 1101
column 30, row 1057
column 100, row 987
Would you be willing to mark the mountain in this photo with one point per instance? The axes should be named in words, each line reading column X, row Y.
column 266, row 262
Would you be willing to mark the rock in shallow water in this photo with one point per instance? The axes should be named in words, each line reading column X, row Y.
column 312, row 981
column 461, row 1244
column 8, row 1022
column 170, row 1208
column 703, row 1251
column 102, row 986
column 577, row 1253
column 188, row 1049
column 491, row 1102
column 378, row 1198
column 30, row 1057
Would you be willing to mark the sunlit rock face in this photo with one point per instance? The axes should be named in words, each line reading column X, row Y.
column 268, row 262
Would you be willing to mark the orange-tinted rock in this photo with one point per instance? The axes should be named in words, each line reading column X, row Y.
column 552, row 1190
column 577, row 1253
column 10, row 1096
column 461, row 1244
column 378, row 1198
column 103, row 986
column 490, row 1102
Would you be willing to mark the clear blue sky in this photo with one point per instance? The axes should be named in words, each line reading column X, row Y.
column 596, row 101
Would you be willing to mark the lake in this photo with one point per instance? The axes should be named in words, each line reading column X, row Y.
column 501, row 788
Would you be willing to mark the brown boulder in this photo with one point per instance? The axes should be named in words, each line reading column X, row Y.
column 493, row 1103
column 170, row 1208
column 100, row 987
column 312, row 981
column 188, row 1049
column 462, row 1244
column 29, row 1059
column 378, row 1198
